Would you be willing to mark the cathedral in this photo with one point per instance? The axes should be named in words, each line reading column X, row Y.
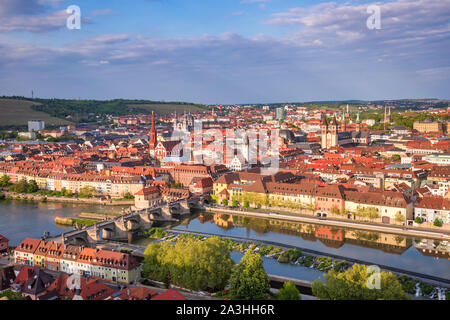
column 334, row 135
column 184, row 124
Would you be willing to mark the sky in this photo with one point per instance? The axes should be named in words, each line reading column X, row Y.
column 226, row 51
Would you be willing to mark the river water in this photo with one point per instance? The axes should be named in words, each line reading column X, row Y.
column 426, row 256
column 20, row 219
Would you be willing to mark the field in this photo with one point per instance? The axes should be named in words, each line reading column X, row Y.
column 18, row 112
column 167, row 108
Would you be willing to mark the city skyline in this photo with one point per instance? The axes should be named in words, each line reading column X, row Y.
column 226, row 52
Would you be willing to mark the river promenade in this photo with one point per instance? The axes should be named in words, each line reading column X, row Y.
column 410, row 231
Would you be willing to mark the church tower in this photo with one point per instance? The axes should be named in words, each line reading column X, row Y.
column 334, row 132
column 358, row 123
column 344, row 125
column 153, row 137
column 324, row 129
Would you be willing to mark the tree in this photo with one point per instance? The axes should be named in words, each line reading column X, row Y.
column 289, row 292
column 396, row 157
column 399, row 217
column 225, row 202
column 246, row 204
column 4, row 181
column 20, row 187
column 32, row 187
column 418, row 220
column 249, row 280
column 353, row 284
column 128, row 196
column 367, row 212
column 437, row 222
column 190, row 263
column 86, row 192
column 234, row 203
column 11, row 295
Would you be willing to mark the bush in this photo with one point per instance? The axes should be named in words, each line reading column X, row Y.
column 290, row 255
column 289, row 292
column 426, row 288
column 418, row 220
column 437, row 222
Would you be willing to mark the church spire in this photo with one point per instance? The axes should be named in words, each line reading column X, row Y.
column 153, row 138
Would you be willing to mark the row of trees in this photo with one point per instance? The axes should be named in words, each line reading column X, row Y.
column 24, row 186
column 207, row 265
column 258, row 199
column 204, row 265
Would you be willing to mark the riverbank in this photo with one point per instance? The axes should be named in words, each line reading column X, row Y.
column 43, row 198
column 346, row 224
column 415, row 284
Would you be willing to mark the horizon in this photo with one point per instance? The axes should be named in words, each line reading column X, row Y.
column 226, row 52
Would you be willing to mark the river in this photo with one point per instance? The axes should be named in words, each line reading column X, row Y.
column 426, row 256
column 22, row 219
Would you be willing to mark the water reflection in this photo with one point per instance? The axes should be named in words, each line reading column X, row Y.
column 330, row 236
column 420, row 255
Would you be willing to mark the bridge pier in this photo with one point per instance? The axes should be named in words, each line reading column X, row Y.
column 119, row 228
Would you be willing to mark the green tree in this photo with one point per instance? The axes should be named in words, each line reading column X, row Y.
column 225, row 202
column 418, row 220
column 399, row 217
column 190, row 263
column 11, row 295
column 396, row 157
column 20, row 186
column 128, row 196
column 234, row 203
column 86, row 192
column 32, row 187
column 289, row 292
column 437, row 222
column 353, row 284
column 249, row 280
column 4, row 181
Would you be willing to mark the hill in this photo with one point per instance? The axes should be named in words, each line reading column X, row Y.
column 167, row 108
column 90, row 110
column 17, row 112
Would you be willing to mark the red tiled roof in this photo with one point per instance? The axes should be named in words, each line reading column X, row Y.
column 170, row 294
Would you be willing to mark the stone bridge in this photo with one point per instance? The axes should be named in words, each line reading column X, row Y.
column 118, row 228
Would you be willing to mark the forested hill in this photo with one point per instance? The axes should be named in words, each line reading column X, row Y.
column 83, row 110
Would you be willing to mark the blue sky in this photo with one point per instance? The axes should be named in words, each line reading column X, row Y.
column 225, row 51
